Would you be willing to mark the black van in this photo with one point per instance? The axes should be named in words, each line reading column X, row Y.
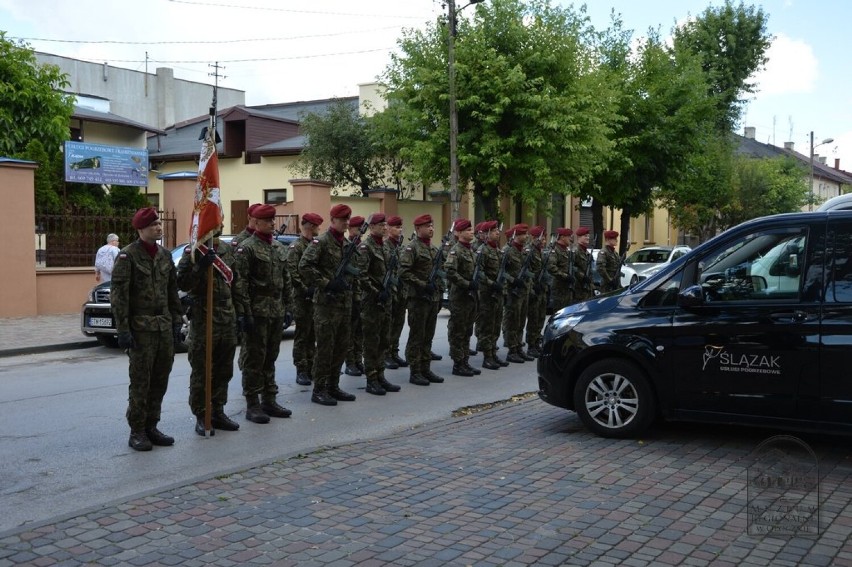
column 753, row 327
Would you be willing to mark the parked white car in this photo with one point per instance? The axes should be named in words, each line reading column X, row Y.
column 651, row 259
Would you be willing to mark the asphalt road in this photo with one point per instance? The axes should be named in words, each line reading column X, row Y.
column 63, row 434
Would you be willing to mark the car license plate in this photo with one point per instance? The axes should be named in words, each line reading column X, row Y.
column 100, row 322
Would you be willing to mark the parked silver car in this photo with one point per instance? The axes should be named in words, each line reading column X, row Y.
column 651, row 259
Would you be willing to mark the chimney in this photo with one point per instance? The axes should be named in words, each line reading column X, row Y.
column 789, row 146
column 750, row 131
column 837, row 163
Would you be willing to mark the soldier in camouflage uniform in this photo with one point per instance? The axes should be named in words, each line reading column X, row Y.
column 424, row 300
column 332, row 307
column 393, row 245
column 355, row 352
column 372, row 261
column 464, row 297
column 304, row 341
column 609, row 263
column 249, row 229
column 192, row 278
column 583, row 282
column 491, row 295
column 561, row 270
column 262, row 307
column 537, row 302
column 148, row 318
column 515, row 309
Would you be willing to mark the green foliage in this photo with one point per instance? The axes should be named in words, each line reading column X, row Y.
column 534, row 109
column 47, row 179
column 766, row 187
column 31, row 104
column 731, row 42
column 126, row 198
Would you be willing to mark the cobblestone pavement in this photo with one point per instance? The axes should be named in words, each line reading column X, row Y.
column 44, row 333
column 515, row 484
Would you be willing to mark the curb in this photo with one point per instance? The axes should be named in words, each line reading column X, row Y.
column 41, row 349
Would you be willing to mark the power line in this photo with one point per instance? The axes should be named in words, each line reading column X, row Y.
column 289, row 10
column 177, row 42
column 255, row 59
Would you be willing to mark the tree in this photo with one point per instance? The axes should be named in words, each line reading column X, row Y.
column 32, row 106
column 766, row 187
column 534, row 111
column 731, row 42
column 34, row 116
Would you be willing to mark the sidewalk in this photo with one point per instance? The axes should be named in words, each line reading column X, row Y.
column 45, row 333
column 517, row 484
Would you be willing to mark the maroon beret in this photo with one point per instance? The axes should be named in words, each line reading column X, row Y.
column 394, row 220
column 356, row 221
column 564, row 231
column 340, row 211
column 377, row 218
column 478, row 227
column 423, row 219
column 144, row 217
column 264, row 212
column 537, row 231
column 610, row 234
column 520, row 228
column 489, row 225
column 582, row 231
column 312, row 218
column 252, row 209
column 461, row 224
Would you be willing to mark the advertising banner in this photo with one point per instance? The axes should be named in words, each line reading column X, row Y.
column 106, row 165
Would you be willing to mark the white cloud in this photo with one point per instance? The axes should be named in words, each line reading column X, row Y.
column 792, row 68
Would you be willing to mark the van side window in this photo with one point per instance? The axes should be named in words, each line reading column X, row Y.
column 839, row 274
column 760, row 266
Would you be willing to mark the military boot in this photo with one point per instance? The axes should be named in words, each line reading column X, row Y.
column 220, row 420
column 254, row 412
column 489, row 363
column 199, row 425
column 435, row 356
column 499, row 360
column 159, row 438
column 515, row 357
column 432, row 377
column 459, row 369
column 417, row 378
column 320, row 396
column 373, row 385
column 273, row 409
column 388, row 387
column 525, row 355
column 303, row 378
column 391, row 364
column 399, row 360
column 476, row 371
column 139, row 441
column 339, row 395
column 352, row 370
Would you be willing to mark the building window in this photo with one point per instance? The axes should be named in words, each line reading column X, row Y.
column 649, row 228
column 274, row 196
column 154, row 200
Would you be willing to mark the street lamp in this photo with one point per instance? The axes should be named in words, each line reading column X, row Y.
column 455, row 197
column 813, row 147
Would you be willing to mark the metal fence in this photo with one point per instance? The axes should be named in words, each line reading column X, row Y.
column 71, row 240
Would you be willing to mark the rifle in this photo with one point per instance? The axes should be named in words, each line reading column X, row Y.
column 344, row 266
column 438, row 262
column 389, row 278
column 477, row 269
column 524, row 274
column 544, row 277
column 500, row 280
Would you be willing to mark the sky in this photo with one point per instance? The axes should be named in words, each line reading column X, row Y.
column 288, row 50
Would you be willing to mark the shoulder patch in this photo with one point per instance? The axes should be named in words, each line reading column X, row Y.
column 292, row 245
column 408, row 248
column 452, row 252
column 239, row 250
column 315, row 241
column 187, row 250
column 363, row 246
column 122, row 254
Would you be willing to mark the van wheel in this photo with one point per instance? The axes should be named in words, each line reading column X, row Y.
column 613, row 399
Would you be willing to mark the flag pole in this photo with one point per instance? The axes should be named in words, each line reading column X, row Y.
column 208, row 350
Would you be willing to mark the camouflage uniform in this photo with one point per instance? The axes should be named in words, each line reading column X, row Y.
column 192, row 279
column 304, row 341
column 263, row 293
column 243, row 235
column 490, row 305
column 515, row 310
column 398, row 305
column 583, row 283
column 415, row 265
column 459, row 266
column 536, row 303
column 560, row 268
column 355, row 348
column 609, row 267
column 332, row 310
column 372, row 260
column 145, row 303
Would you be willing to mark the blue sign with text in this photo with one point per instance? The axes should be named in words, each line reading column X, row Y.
column 106, row 165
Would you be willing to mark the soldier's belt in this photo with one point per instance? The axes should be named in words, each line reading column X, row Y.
column 161, row 311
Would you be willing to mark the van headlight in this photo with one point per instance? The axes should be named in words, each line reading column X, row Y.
column 562, row 325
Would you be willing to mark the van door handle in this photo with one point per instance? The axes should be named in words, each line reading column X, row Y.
column 796, row 316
